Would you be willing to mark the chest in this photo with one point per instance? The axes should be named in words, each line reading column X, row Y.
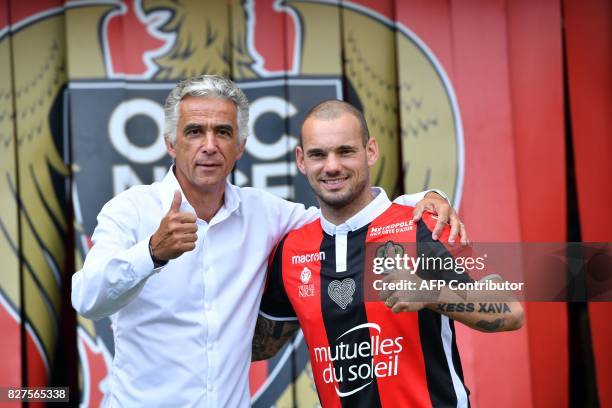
column 228, row 262
column 331, row 275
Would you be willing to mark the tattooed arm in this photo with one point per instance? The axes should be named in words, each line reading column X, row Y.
column 474, row 305
column 270, row 336
column 487, row 311
column 484, row 316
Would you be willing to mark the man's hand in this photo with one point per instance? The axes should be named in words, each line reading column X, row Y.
column 177, row 232
column 404, row 300
column 489, row 311
column 435, row 203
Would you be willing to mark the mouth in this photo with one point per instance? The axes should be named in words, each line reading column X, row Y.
column 208, row 165
column 334, row 182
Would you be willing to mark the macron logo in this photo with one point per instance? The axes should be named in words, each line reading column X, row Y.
column 314, row 257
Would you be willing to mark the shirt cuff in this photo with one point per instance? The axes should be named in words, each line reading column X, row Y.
column 140, row 260
column 278, row 319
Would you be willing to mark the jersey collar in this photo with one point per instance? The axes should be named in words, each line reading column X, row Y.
column 376, row 207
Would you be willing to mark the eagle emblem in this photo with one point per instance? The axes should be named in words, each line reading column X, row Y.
column 80, row 82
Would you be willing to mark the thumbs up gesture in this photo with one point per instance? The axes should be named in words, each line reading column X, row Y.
column 177, row 232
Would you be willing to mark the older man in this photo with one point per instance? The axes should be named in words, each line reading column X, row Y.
column 179, row 265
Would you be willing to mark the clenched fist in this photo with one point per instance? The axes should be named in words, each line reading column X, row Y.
column 402, row 300
column 177, row 232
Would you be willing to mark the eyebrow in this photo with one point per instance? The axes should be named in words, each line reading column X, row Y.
column 338, row 148
column 191, row 126
column 225, row 127
column 194, row 126
column 314, row 150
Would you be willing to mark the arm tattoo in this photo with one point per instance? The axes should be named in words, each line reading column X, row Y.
column 491, row 326
column 473, row 307
column 270, row 336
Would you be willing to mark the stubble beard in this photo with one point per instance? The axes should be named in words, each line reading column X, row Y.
column 338, row 201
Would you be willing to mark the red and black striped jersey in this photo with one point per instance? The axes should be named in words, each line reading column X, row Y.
column 362, row 354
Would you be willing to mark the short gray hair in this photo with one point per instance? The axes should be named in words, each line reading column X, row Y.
column 206, row 86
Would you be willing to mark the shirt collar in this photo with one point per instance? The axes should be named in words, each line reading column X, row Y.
column 169, row 184
column 377, row 206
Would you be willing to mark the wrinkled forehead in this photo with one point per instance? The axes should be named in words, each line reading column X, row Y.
column 194, row 106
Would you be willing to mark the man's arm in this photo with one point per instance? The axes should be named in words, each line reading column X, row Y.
column 435, row 201
column 277, row 321
column 499, row 312
column 119, row 263
column 488, row 311
column 294, row 215
column 484, row 316
column 492, row 311
column 270, row 336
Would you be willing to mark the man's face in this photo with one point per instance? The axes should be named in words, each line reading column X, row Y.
column 206, row 146
column 335, row 161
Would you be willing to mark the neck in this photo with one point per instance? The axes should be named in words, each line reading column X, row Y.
column 207, row 202
column 339, row 215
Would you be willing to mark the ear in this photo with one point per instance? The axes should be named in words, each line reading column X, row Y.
column 372, row 151
column 241, row 150
column 170, row 148
column 299, row 159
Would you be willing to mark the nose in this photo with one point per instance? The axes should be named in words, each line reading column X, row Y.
column 209, row 144
column 332, row 164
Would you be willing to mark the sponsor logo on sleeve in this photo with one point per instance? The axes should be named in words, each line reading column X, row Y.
column 306, row 289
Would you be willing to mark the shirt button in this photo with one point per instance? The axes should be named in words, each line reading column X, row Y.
column 210, row 346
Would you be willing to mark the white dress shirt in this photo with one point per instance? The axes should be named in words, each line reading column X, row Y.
column 183, row 332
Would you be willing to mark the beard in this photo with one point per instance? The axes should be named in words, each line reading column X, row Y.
column 341, row 199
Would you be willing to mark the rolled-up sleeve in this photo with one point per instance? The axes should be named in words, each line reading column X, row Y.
column 412, row 199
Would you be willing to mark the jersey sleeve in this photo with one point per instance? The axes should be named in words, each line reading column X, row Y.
column 412, row 199
column 443, row 261
column 275, row 304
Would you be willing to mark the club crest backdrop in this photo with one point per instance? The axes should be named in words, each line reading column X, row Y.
column 464, row 96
